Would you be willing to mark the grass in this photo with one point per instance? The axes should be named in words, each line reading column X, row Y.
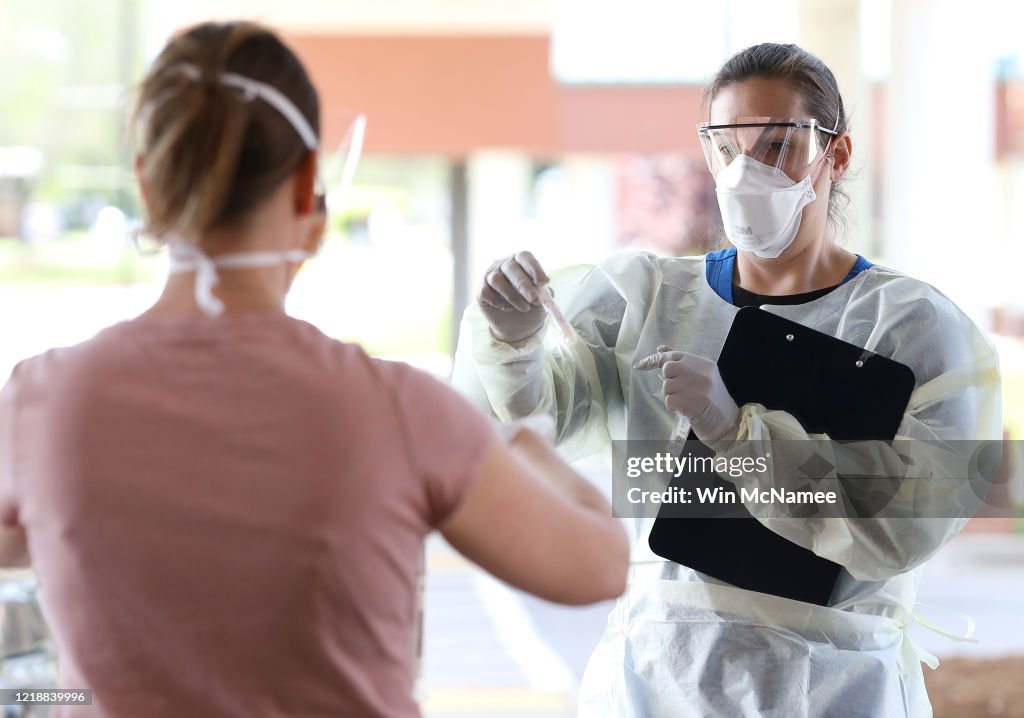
column 391, row 300
column 76, row 258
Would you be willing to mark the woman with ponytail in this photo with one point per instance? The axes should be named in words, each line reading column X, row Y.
column 226, row 508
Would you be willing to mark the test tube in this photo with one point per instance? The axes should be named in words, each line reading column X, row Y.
column 565, row 329
column 677, row 441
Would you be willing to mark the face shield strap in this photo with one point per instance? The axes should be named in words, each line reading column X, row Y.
column 251, row 89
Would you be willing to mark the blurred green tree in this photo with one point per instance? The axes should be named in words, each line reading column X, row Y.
column 73, row 61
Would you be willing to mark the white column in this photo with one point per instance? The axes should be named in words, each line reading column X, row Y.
column 583, row 230
column 569, row 218
column 499, row 186
column 831, row 29
column 940, row 200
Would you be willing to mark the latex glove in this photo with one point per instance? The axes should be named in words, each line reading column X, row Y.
column 510, row 298
column 694, row 388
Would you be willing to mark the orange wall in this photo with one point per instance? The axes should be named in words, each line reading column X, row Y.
column 453, row 95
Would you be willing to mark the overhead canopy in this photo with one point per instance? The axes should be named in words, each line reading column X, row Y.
column 454, row 95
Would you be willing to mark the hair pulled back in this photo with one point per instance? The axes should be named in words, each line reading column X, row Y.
column 208, row 154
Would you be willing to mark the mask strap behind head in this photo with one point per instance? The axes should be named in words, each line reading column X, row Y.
column 186, row 257
column 251, row 89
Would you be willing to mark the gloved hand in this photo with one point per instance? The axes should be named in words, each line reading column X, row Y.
column 510, row 297
column 694, row 388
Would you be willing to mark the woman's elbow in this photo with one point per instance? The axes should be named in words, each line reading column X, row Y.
column 618, row 565
column 603, row 576
column 14, row 547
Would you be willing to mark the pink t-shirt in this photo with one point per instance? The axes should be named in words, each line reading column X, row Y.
column 226, row 515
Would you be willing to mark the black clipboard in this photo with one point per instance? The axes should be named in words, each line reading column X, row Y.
column 832, row 387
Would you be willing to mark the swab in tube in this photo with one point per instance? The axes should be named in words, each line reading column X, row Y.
column 547, row 300
column 677, row 442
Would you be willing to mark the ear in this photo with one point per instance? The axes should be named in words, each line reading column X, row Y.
column 842, row 151
column 305, row 185
column 143, row 189
column 315, row 231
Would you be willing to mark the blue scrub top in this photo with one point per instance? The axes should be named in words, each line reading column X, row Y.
column 721, row 263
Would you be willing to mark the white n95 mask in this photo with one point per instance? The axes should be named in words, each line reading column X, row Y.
column 761, row 206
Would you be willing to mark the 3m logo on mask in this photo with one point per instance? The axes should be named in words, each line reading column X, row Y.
column 744, row 231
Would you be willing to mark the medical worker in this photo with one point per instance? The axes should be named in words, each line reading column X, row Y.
column 680, row 643
column 226, row 508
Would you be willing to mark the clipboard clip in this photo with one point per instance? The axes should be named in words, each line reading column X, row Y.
column 864, row 356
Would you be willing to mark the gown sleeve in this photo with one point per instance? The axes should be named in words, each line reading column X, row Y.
column 575, row 382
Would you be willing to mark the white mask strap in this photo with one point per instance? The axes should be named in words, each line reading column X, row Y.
column 268, row 93
column 187, row 257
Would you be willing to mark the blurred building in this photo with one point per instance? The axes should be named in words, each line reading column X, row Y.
column 502, row 92
column 564, row 127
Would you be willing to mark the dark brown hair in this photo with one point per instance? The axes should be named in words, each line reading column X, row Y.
column 811, row 78
column 208, row 154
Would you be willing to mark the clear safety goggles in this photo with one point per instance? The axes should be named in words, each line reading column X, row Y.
column 337, row 167
column 788, row 145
